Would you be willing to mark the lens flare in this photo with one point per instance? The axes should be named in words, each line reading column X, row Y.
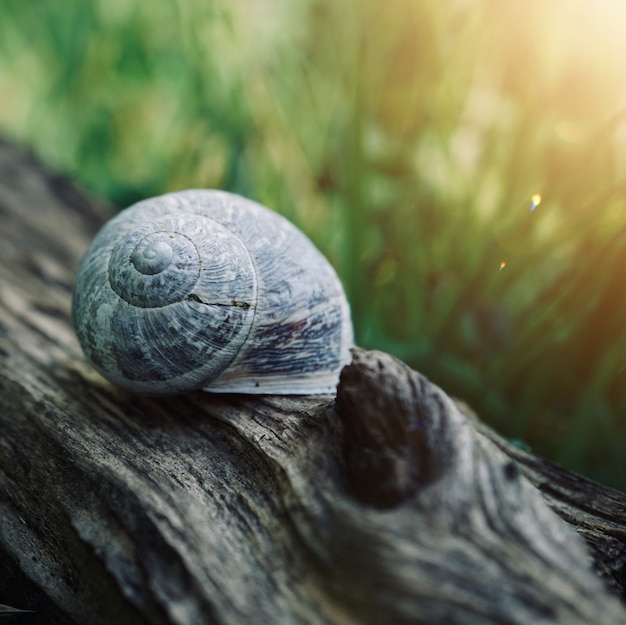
column 502, row 265
column 535, row 200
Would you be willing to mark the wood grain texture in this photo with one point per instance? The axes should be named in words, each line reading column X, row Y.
column 388, row 504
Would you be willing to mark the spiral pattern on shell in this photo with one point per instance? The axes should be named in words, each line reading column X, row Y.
column 206, row 289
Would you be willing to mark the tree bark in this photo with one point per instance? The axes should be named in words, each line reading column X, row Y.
column 389, row 503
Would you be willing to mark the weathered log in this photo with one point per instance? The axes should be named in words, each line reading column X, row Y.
column 390, row 503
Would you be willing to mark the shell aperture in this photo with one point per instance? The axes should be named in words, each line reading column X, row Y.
column 206, row 289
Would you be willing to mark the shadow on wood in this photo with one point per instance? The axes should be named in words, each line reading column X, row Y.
column 390, row 503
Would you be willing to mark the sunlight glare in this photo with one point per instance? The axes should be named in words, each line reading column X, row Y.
column 535, row 200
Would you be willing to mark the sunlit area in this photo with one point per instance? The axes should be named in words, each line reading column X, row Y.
column 461, row 164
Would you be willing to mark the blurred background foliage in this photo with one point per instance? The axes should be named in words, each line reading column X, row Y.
column 461, row 163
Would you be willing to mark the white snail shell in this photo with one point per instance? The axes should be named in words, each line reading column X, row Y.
column 208, row 290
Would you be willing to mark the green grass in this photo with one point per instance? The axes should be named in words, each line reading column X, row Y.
column 407, row 139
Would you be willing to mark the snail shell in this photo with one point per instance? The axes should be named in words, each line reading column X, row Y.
column 208, row 290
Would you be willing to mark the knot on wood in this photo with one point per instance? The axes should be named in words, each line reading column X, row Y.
column 395, row 437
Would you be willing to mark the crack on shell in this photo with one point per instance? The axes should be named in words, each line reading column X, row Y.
column 195, row 298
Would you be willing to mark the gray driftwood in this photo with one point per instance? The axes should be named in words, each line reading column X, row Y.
column 388, row 504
